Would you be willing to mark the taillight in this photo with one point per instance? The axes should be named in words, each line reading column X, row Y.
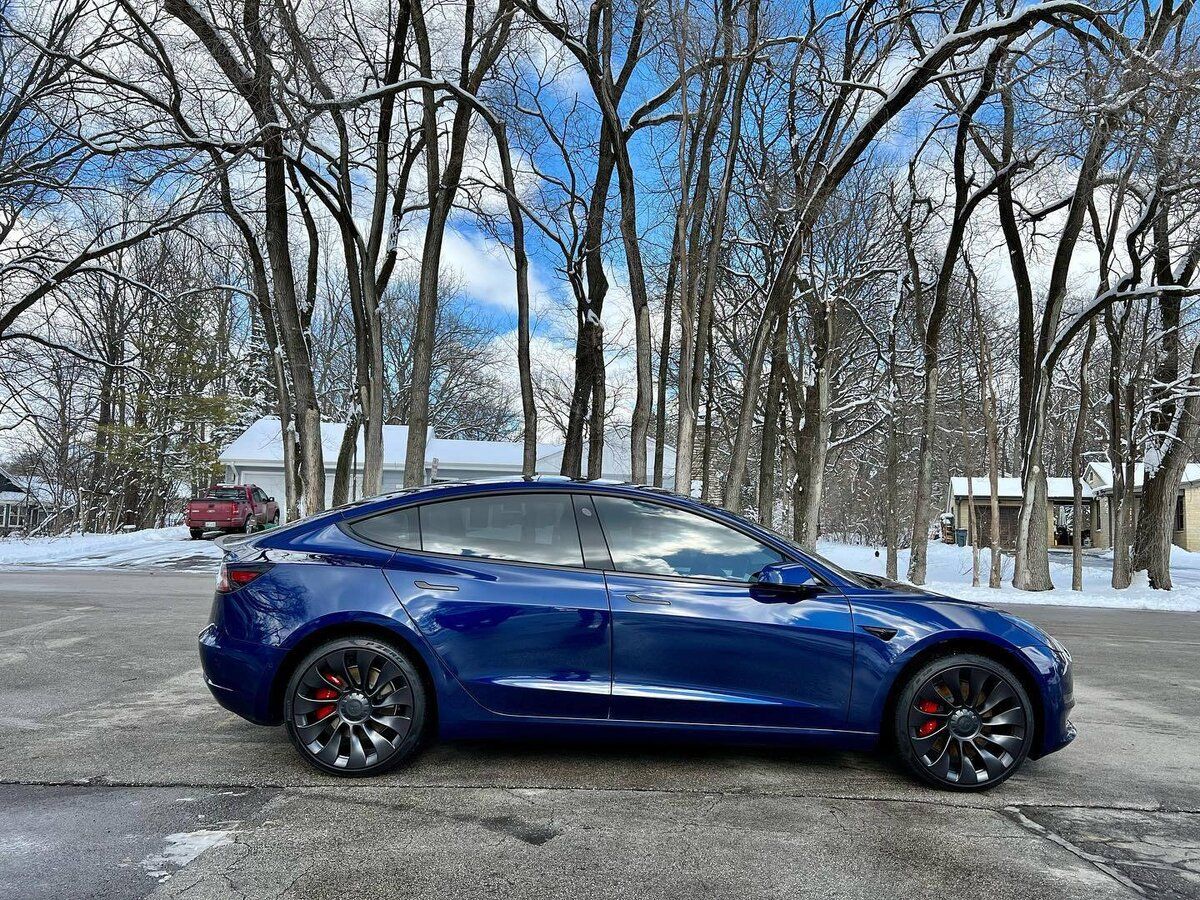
column 234, row 576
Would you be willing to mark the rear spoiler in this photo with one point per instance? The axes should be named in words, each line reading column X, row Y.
column 235, row 545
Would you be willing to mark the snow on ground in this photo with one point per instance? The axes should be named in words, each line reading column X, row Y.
column 153, row 547
column 949, row 572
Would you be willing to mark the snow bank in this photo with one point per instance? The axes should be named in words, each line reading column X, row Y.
column 154, row 547
column 949, row 572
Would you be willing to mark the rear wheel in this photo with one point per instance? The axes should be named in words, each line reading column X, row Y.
column 249, row 526
column 197, row 533
column 355, row 707
column 963, row 722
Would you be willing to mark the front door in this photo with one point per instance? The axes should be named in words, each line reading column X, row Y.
column 500, row 591
column 695, row 641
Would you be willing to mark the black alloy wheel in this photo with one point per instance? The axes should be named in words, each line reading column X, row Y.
column 355, row 706
column 964, row 722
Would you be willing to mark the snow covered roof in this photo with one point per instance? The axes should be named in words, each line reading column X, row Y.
column 17, row 489
column 615, row 463
column 261, row 442
column 1102, row 474
column 1010, row 488
column 505, row 455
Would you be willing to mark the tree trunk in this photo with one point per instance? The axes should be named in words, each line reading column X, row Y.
column 1155, row 526
column 1077, row 465
column 770, row 431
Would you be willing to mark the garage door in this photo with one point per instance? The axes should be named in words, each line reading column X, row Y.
column 1008, row 524
column 272, row 483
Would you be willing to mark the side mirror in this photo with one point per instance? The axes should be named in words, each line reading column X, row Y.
column 786, row 576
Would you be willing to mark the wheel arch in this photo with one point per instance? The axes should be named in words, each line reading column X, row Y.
column 369, row 628
column 1008, row 656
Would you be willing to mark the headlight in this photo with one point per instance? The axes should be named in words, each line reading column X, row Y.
column 1061, row 652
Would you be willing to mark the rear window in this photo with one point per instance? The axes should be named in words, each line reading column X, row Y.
column 397, row 528
column 226, row 494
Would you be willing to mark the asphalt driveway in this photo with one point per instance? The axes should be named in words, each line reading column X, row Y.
column 120, row 777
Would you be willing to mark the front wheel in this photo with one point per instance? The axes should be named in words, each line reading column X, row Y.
column 963, row 722
column 355, row 707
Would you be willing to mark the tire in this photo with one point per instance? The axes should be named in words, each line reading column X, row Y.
column 248, row 528
column 343, row 724
column 275, row 519
column 963, row 722
column 196, row 533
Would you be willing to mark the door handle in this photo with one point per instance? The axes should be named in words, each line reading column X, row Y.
column 426, row 586
column 642, row 598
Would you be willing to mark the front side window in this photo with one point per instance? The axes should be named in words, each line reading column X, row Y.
column 536, row 528
column 653, row 539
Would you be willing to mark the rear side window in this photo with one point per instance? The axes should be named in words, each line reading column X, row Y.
column 653, row 539
column 537, row 528
column 397, row 528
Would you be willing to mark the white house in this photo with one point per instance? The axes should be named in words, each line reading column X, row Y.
column 256, row 457
column 24, row 503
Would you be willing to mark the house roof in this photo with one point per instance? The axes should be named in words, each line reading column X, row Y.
column 1011, row 489
column 506, row 455
column 261, row 444
column 24, row 488
column 615, row 463
column 1102, row 474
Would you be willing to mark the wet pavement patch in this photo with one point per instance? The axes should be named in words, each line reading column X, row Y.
column 101, row 841
column 1155, row 852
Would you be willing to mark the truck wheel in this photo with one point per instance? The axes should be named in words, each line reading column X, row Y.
column 275, row 518
column 196, row 533
column 249, row 529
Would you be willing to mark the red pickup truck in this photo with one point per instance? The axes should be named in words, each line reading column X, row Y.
column 231, row 507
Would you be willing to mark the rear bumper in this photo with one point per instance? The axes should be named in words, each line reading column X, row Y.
column 241, row 676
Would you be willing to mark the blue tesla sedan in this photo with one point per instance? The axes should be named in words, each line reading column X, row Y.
column 555, row 607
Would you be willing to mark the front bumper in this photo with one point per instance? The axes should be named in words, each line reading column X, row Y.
column 241, row 676
column 1058, row 699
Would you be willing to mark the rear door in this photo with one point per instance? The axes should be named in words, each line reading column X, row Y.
column 498, row 586
column 695, row 641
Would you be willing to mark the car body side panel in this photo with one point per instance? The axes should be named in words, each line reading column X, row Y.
column 522, row 639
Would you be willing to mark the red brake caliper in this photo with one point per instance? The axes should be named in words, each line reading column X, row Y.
column 326, row 693
column 929, row 726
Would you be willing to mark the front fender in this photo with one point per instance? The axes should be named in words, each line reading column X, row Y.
column 924, row 622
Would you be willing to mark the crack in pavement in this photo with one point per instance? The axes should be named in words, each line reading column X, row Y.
column 1104, row 865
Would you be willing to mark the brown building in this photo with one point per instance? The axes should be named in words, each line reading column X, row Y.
column 1009, row 494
